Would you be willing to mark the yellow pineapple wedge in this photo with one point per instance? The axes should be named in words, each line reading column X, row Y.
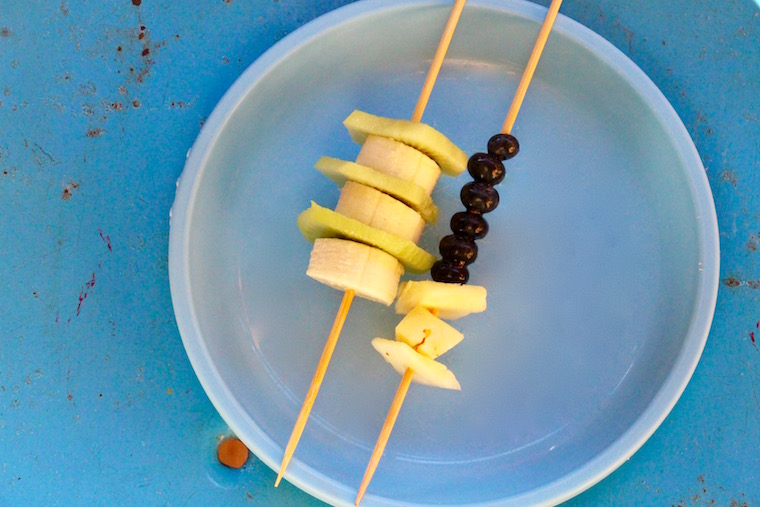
column 426, row 333
column 426, row 371
column 452, row 301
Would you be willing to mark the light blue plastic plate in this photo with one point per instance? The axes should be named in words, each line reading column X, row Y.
column 601, row 263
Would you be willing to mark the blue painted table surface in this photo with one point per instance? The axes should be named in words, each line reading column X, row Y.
column 99, row 103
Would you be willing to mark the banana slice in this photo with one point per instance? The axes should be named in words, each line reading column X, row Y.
column 397, row 159
column 426, row 333
column 451, row 300
column 343, row 264
column 318, row 222
column 379, row 210
column 409, row 193
column 426, row 371
column 425, row 138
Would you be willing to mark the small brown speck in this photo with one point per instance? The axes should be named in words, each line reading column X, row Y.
column 141, row 36
column 68, row 190
column 5, row 32
column 146, row 51
column 136, row 103
column 118, row 49
column 731, row 282
column 729, row 177
column 96, row 132
column 136, row 2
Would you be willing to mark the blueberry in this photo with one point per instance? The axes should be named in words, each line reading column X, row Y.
column 471, row 225
column 503, row 146
column 485, row 167
column 449, row 272
column 479, row 197
column 458, row 249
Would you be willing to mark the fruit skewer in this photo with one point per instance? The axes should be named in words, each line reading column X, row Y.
column 505, row 146
column 348, row 295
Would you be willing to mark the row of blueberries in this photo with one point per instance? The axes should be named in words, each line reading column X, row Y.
column 479, row 197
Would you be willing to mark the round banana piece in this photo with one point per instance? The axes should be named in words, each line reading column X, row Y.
column 397, row 159
column 343, row 264
column 379, row 210
column 451, row 159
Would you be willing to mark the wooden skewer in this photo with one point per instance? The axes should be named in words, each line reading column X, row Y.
column 348, row 296
column 440, row 53
column 316, row 382
column 406, row 380
column 530, row 68
column 385, row 432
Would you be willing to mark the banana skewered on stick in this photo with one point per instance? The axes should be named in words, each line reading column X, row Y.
column 393, row 178
column 369, row 240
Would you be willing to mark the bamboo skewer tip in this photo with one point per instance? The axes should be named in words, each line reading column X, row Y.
column 316, row 382
column 385, row 432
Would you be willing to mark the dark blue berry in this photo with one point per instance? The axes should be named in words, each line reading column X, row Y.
column 471, row 225
column 448, row 272
column 458, row 249
column 485, row 167
column 504, row 146
column 479, row 197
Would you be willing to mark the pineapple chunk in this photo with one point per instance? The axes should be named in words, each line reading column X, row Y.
column 318, row 222
column 426, row 371
column 452, row 301
column 426, row 333
column 424, row 138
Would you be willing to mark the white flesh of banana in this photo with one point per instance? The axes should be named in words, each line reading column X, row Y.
column 449, row 157
column 379, row 210
column 397, row 159
column 343, row 264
